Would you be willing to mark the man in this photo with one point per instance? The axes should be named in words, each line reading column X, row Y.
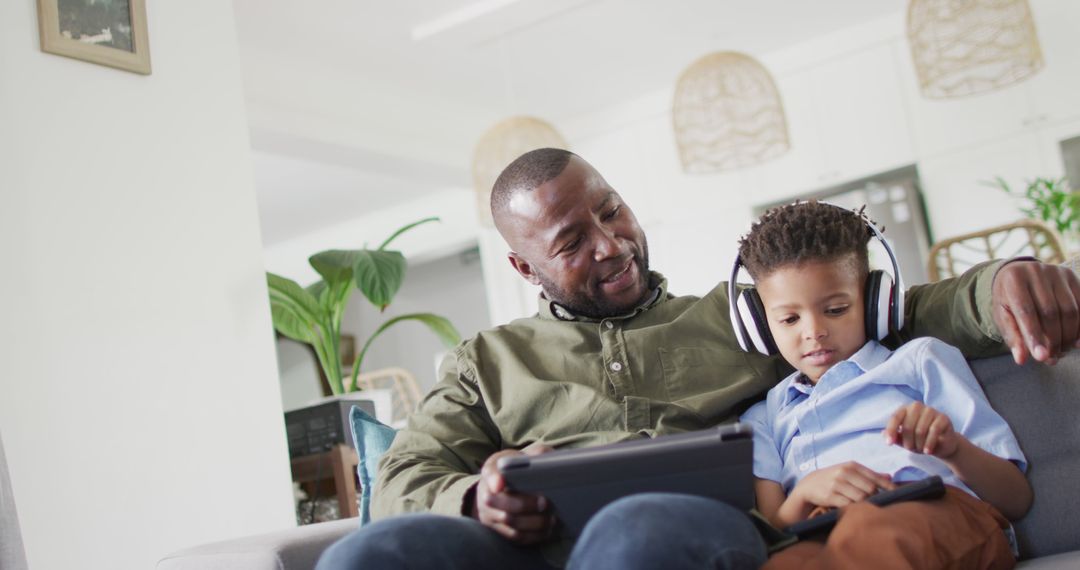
column 611, row 355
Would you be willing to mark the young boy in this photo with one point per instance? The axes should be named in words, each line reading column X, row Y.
column 857, row 418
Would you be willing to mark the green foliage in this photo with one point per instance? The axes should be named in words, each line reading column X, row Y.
column 379, row 275
column 1049, row 200
column 313, row 315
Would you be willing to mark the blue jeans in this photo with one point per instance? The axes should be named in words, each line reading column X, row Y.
column 654, row 530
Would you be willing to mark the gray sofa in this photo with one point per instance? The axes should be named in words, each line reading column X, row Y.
column 1040, row 402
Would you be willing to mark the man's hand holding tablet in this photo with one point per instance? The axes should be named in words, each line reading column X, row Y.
column 521, row 518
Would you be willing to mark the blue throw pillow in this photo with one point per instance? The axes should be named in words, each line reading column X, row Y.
column 372, row 438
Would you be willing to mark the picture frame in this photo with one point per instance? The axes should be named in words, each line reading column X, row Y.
column 106, row 32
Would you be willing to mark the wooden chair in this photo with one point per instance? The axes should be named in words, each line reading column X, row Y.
column 1073, row 262
column 951, row 257
column 403, row 386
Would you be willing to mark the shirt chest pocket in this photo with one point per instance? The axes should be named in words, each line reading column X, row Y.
column 692, row 371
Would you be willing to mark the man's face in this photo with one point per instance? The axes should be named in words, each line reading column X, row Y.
column 574, row 236
column 815, row 313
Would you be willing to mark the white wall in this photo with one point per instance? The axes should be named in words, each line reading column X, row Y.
column 455, row 231
column 138, row 392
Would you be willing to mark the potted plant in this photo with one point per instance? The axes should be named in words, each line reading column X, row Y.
column 313, row 315
column 1052, row 201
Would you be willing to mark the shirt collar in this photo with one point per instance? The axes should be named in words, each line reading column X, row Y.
column 869, row 356
column 549, row 309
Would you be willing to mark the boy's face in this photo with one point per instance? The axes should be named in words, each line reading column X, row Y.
column 816, row 312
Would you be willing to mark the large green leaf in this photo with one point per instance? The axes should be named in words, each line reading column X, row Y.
column 438, row 325
column 332, row 298
column 441, row 326
column 379, row 275
column 288, row 324
column 335, row 265
column 295, row 312
column 318, row 290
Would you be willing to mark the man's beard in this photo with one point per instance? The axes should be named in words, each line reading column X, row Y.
column 596, row 307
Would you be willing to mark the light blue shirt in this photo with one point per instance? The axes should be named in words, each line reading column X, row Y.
column 801, row 428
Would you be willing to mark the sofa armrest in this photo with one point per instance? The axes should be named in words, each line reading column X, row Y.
column 293, row 549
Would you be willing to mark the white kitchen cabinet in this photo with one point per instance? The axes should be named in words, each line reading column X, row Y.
column 1054, row 93
column 863, row 126
column 954, row 184
column 804, row 166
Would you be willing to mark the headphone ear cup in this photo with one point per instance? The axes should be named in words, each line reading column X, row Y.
column 752, row 312
column 879, row 307
column 739, row 316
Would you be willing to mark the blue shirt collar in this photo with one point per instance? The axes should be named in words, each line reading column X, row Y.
column 866, row 358
column 870, row 355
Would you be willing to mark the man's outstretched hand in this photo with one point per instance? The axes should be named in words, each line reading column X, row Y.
column 523, row 519
column 1037, row 310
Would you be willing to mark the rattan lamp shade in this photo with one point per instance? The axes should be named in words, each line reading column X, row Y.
column 499, row 146
column 967, row 47
column 728, row 114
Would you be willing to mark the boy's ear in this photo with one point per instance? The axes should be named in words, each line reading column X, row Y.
column 523, row 267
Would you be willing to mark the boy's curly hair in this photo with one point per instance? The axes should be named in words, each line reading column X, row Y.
column 802, row 232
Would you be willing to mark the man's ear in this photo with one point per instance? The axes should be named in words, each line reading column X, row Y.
column 523, row 268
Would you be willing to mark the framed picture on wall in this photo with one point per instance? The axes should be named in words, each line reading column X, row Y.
column 107, row 32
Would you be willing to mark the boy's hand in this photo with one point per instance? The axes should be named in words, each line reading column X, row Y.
column 919, row 428
column 840, row 485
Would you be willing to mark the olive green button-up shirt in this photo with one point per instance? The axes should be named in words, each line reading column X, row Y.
column 671, row 365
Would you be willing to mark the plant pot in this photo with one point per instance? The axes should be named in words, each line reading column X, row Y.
column 324, row 423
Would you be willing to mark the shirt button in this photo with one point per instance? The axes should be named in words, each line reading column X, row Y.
column 804, row 466
column 616, row 366
column 609, row 325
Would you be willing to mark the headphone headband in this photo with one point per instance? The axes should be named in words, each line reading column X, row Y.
column 881, row 238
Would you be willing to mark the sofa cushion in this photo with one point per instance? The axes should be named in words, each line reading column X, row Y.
column 1041, row 402
column 372, row 438
column 292, row 549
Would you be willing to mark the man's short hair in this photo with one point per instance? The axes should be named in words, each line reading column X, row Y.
column 527, row 172
column 804, row 232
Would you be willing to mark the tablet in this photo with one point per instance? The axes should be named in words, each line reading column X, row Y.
column 715, row 463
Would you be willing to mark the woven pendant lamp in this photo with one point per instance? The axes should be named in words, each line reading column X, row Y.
column 499, row 146
column 728, row 114
column 968, row 47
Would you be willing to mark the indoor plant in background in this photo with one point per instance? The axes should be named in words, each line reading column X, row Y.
column 1050, row 200
column 313, row 314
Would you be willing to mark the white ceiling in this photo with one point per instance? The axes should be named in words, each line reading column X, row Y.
column 349, row 113
column 297, row 195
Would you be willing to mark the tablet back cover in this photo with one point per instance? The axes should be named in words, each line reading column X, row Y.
column 715, row 463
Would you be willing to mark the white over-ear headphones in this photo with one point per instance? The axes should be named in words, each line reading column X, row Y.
column 884, row 302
